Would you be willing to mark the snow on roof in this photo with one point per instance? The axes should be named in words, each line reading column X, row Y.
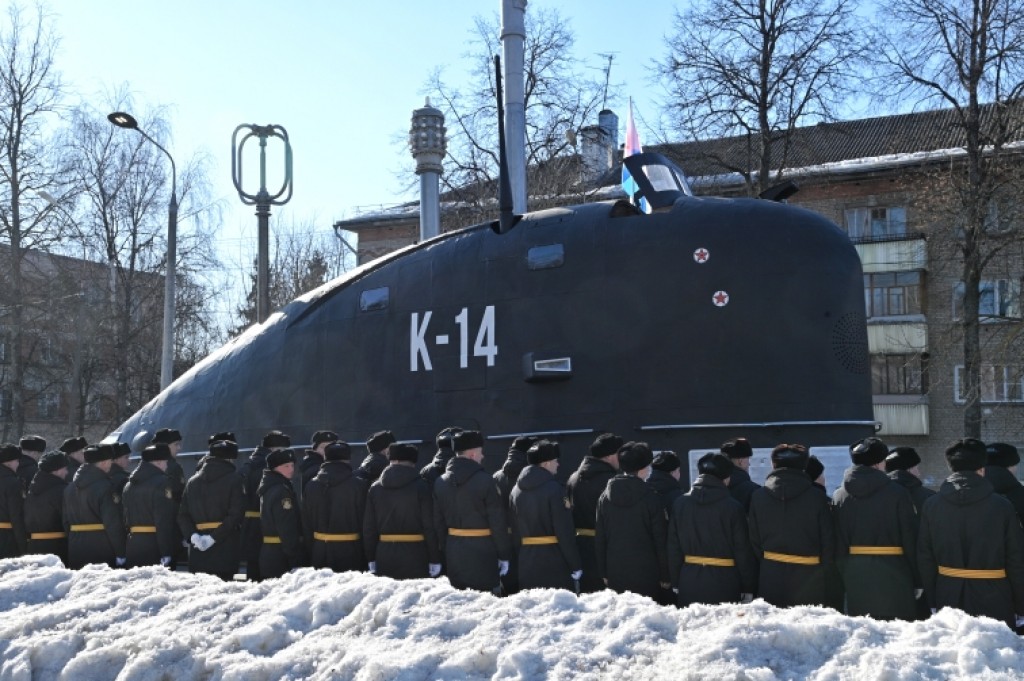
column 149, row 623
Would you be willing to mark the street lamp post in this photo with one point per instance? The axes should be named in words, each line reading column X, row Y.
column 124, row 120
column 263, row 200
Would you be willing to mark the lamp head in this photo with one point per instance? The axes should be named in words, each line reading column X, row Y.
column 123, row 120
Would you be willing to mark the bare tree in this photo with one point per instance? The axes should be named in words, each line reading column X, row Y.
column 30, row 91
column 560, row 98
column 301, row 259
column 758, row 69
column 967, row 55
column 119, row 187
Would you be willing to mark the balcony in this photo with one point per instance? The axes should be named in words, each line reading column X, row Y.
column 893, row 256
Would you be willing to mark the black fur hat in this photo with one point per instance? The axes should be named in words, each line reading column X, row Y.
column 467, row 439
column 606, row 444
column 338, row 450
column 666, row 461
column 966, row 454
column 790, row 456
column 279, row 457
column 157, row 452
column 166, row 436
column 635, row 456
column 379, row 441
column 901, row 459
column 868, row 452
column 224, row 449
column 403, row 452
column 737, row 448
column 276, row 438
column 815, row 467
column 74, row 444
column 543, row 450
column 1002, row 454
column 715, row 464
column 33, row 443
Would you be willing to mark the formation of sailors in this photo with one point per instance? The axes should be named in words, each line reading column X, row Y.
column 883, row 545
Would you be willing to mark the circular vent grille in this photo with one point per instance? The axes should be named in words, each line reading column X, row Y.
column 849, row 343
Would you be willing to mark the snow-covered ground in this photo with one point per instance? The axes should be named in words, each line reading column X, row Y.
column 154, row 624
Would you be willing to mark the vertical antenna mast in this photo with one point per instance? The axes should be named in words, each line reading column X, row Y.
column 610, row 56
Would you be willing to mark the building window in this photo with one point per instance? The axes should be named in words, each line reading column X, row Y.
column 892, row 294
column 47, row 405
column 999, row 383
column 46, row 352
column 898, row 375
column 872, row 223
column 999, row 299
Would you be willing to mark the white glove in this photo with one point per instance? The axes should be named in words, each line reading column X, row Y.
column 1020, row 620
column 372, row 567
column 119, row 562
column 576, row 575
column 933, row 610
column 165, row 561
column 675, row 591
column 195, row 540
column 208, row 542
column 746, row 598
column 918, row 593
column 502, row 568
column 435, row 569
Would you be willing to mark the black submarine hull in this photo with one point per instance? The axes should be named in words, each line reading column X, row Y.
column 709, row 319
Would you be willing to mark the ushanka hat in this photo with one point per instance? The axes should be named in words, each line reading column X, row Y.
column 466, row 440
column 166, row 436
column 665, row 461
column 224, row 449
column 9, row 452
column 222, row 436
column 97, row 453
column 33, row 443
column 379, row 441
column 790, row 456
column 635, row 456
column 715, row 464
column 868, row 452
column 74, row 444
column 606, row 444
column 53, row 461
column 444, row 438
column 737, row 448
column 279, row 457
column 276, row 438
column 322, row 436
column 1002, row 454
column 901, row 459
column 403, row 452
column 541, row 451
column 122, row 449
column 966, row 454
column 814, row 467
column 337, row 451
column 523, row 443
column 157, row 452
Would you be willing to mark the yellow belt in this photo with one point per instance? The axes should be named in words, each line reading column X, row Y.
column 47, row 535
column 876, row 550
column 537, row 541
column 468, row 533
column 207, row 526
column 142, row 529
column 6, row 526
column 584, row 532
column 705, row 560
column 402, row 537
column 271, row 540
column 335, row 537
column 790, row 558
column 252, row 514
column 971, row 574
column 97, row 527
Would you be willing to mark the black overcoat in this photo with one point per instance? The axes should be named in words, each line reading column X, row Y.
column 1005, row 483
column 466, row 498
column 13, row 539
column 791, row 519
column 214, row 496
column 741, row 487
column 539, row 509
column 967, row 526
column 44, row 515
column 910, row 482
column 872, row 511
column 90, row 500
column 150, row 516
column 252, row 532
column 333, row 507
column 400, row 505
column 371, row 467
column 631, row 538
column 281, row 525
column 585, row 487
column 707, row 522
column 667, row 488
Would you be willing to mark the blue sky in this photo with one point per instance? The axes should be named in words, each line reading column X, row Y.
column 342, row 77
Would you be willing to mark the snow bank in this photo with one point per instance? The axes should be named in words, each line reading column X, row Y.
column 152, row 624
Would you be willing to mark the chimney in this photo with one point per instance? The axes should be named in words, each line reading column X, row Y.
column 599, row 145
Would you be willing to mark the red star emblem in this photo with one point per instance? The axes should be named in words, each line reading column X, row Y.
column 701, row 255
column 721, row 298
